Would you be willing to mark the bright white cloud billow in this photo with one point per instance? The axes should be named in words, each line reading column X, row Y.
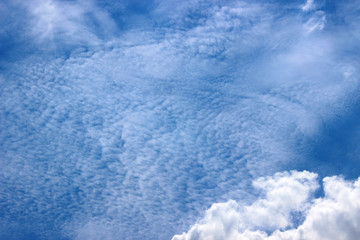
column 273, row 216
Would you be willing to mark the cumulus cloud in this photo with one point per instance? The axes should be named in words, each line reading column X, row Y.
column 271, row 217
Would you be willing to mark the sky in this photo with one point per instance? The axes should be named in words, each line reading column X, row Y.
column 182, row 120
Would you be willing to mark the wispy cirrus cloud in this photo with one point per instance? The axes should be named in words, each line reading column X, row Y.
column 309, row 5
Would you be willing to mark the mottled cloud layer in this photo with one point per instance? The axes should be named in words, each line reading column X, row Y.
column 131, row 119
column 286, row 211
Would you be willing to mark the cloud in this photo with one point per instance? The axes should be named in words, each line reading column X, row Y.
column 67, row 23
column 272, row 216
column 316, row 22
column 309, row 5
column 137, row 136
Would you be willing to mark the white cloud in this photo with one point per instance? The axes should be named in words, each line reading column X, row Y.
column 68, row 22
column 316, row 22
column 308, row 6
column 333, row 216
column 165, row 121
column 317, row 18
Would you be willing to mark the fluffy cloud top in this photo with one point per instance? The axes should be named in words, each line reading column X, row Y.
column 336, row 215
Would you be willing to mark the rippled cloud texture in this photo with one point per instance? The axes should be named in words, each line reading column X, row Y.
column 132, row 119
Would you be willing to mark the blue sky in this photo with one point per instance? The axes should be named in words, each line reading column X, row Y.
column 179, row 120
